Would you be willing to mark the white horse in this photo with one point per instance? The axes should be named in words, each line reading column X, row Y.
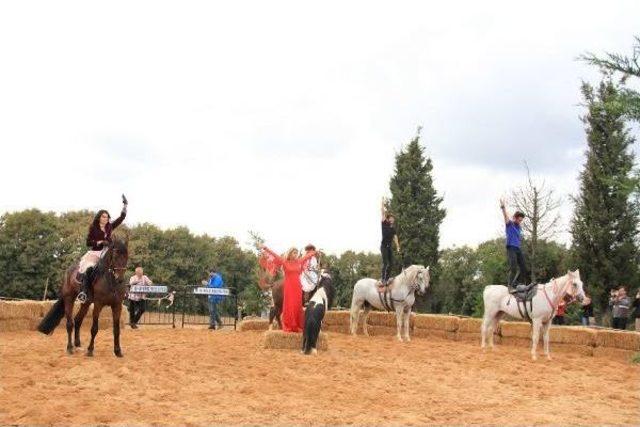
column 400, row 297
column 498, row 301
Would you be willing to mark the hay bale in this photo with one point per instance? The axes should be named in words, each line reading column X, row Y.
column 45, row 306
column 335, row 317
column 583, row 350
column 574, row 335
column 625, row 340
column 340, row 329
column 20, row 309
column 433, row 333
column 12, row 325
column 515, row 329
column 474, row 337
column 469, row 325
column 291, row 340
column 436, row 322
column 612, row 353
column 383, row 318
column 253, row 325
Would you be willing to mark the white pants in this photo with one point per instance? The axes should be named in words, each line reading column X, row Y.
column 90, row 259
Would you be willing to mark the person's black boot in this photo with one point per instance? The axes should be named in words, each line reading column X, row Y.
column 83, row 296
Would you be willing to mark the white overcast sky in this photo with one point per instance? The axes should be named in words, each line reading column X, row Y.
column 284, row 117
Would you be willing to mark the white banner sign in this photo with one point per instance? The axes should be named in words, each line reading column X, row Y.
column 211, row 291
column 138, row 289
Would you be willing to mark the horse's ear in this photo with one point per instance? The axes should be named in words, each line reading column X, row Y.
column 428, row 267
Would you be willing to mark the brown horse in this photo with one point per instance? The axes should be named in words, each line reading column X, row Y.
column 108, row 290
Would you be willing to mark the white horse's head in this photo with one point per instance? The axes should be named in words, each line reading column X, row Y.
column 576, row 288
column 421, row 278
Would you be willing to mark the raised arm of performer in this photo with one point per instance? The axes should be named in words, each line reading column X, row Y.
column 277, row 258
column 503, row 208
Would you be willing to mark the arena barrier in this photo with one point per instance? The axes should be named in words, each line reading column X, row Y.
column 159, row 304
column 574, row 339
column 194, row 305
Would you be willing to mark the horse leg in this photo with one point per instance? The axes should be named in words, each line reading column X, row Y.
column 78, row 323
column 68, row 312
column 354, row 318
column 365, row 326
column 399, row 324
column 407, row 315
column 545, row 337
column 535, row 337
column 97, row 308
column 116, row 310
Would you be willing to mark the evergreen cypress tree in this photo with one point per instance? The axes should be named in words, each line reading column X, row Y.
column 417, row 206
column 605, row 223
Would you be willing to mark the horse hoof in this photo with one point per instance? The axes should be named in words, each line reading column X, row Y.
column 89, row 353
column 118, row 353
column 69, row 351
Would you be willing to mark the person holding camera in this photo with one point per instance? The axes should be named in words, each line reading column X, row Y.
column 620, row 304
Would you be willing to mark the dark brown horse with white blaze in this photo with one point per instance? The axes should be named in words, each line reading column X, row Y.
column 108, row 290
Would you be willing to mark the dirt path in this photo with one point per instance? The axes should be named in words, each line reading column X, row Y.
column 195, row 376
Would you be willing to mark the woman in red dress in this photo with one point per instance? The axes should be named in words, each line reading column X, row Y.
column 292, row 265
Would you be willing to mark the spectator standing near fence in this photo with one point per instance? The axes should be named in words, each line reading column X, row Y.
column 587, row 311
column 620, row 304
column 137, row 303
column 559, row 317
column 215, row 281
column 636, row 310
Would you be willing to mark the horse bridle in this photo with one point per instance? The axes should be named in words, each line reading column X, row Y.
column 413, row 287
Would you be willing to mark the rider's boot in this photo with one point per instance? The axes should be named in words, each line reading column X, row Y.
column 84, row 279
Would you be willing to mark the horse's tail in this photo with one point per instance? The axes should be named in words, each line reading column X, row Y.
column 52, row 319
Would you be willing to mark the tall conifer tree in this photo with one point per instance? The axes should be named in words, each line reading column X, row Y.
column 605, row 223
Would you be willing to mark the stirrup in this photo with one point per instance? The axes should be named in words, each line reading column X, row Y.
column 82, row 297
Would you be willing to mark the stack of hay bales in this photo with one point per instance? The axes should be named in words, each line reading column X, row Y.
column 435, row 325
column 336, row 321
column 515, row 333
column 469, row 330
column 614, row 344
column 25, row 315
column 573, row 339
column 19, row 315
column 291, row 341
column 253, row 324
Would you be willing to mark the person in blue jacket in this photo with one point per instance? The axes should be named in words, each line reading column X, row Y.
column 215, row 281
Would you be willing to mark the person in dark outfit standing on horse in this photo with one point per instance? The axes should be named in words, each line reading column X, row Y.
column 513, row 229
column 389, row 237
column 98, row 240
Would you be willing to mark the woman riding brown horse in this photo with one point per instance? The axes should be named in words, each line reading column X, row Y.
column 108, row 290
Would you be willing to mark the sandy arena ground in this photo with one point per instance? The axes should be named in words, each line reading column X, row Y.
column 198, row 377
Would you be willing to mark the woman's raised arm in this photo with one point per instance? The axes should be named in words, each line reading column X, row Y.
column 276, row 257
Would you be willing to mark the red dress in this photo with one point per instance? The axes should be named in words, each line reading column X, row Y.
column 292, row 313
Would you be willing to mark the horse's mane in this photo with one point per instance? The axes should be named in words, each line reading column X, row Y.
column 326, row 282
column 101, row 267
column 410, row 273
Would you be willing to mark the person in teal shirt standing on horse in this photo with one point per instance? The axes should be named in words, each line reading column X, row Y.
column 215, row 281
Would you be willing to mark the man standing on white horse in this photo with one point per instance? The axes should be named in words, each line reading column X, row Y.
column 389, row 237
column 513, row 229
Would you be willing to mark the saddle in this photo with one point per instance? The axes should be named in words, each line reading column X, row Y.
column 523, row 295
column 384, row 292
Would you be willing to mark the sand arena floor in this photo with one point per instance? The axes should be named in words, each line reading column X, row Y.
column 198, row 377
